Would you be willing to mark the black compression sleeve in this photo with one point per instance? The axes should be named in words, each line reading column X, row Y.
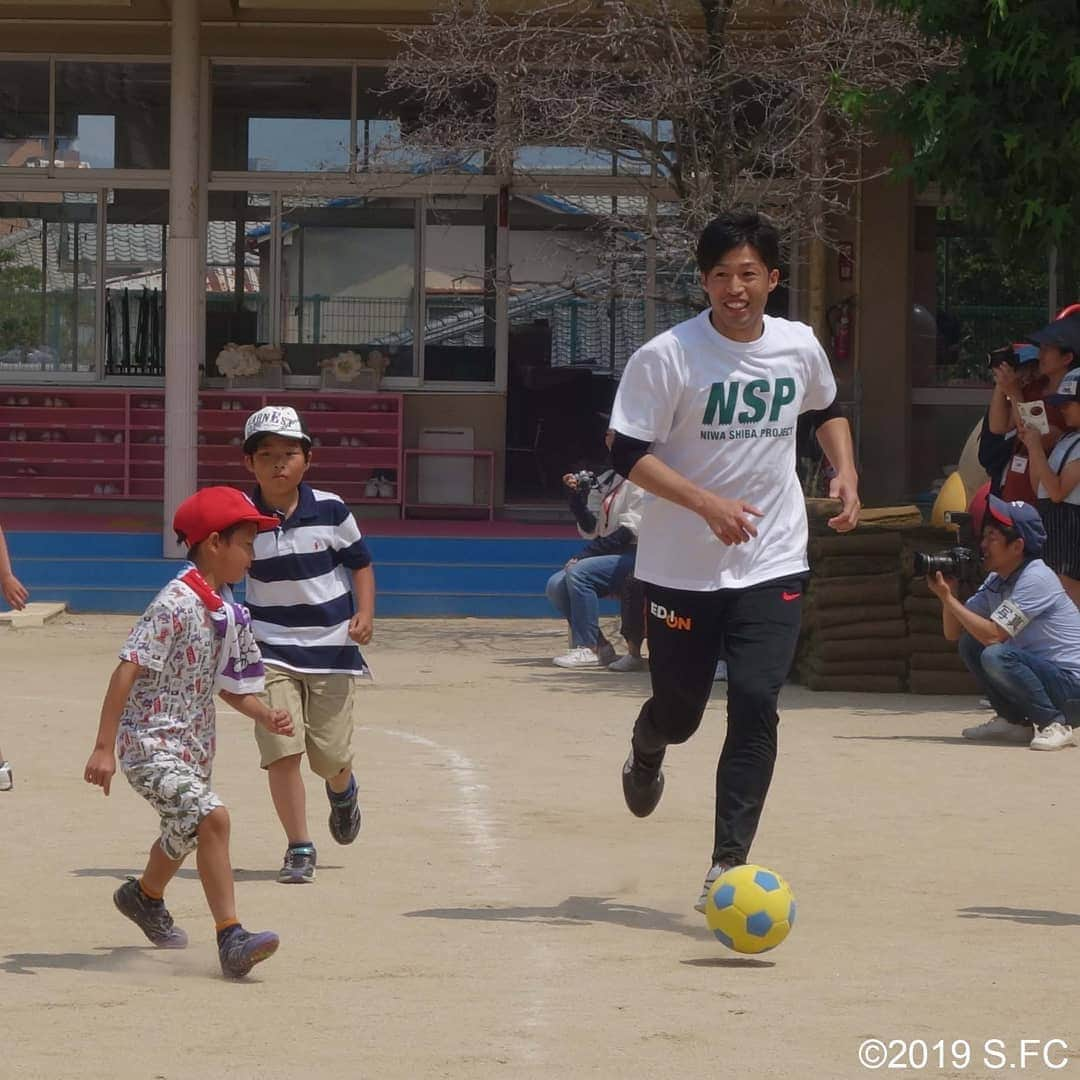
column 817, row 417
column 627, row 452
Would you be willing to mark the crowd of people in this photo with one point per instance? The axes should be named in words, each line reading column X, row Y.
column 1019, row 634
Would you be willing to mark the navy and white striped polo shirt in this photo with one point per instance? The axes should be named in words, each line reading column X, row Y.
column 299, row 587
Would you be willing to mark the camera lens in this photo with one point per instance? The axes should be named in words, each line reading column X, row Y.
column 940, row 562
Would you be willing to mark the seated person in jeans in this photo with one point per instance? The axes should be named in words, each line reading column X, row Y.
column 608, row 512
column 1019, row 634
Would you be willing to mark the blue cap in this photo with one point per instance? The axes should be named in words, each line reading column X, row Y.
column 1068, row 389
column 1024, row 518
column 1064, row 333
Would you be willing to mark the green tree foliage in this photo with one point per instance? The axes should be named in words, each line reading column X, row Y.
column 1001, row 131
column 20, row 303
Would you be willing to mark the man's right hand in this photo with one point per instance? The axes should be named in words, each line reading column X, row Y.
column 730, row 519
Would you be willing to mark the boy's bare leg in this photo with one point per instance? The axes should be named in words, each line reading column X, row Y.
column 289, row 797
column 215, row 869
column 160, row 870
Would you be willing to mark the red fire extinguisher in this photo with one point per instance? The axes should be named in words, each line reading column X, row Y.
column 839, row 316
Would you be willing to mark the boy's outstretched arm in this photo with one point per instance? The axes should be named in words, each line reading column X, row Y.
column 362, row 624
column 13, row 590
column 102, row 764
column 254, row 708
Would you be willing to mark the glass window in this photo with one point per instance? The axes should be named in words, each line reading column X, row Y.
column 136, row 236
column 576, row 266
column 237, row 272
column 379, row 133
column 48, row 300
column 459, row 289
column 969, row 298
column 112, row 116
column 24, row 113
column 348, row 281
column 281, row 118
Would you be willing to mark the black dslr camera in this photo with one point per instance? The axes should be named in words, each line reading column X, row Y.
column 962, row 562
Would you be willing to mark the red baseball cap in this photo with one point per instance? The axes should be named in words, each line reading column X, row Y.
column 214, row 509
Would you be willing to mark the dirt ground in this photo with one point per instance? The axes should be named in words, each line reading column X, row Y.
column 502, row 914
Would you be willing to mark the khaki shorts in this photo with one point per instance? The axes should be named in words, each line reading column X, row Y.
column 321, row 707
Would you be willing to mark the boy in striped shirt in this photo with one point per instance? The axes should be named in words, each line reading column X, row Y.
column 311, row 593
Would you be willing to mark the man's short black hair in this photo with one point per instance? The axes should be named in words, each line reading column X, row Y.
column 257, row 440
column 735, row 229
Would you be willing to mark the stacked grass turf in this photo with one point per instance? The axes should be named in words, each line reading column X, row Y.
column 855, row 633
column 935, row 666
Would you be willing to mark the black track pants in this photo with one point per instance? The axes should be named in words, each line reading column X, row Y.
column 756, row 629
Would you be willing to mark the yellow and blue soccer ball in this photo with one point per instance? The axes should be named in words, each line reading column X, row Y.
column 750, row 909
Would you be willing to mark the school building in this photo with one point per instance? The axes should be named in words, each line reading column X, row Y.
column 181, row 175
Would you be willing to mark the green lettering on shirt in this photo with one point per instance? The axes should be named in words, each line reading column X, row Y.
column 755, row 403
column 722, row 399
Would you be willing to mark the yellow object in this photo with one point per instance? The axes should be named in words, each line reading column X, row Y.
column 952, row 498
column 750, row 909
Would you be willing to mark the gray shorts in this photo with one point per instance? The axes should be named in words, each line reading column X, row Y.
column 181, row 797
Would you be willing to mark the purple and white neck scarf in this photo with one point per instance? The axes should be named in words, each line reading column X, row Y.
column 240, row 670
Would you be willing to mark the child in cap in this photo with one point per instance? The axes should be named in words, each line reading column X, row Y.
column 158, row 718
column 311, row 590
column 1057, row 475
column 16, row 594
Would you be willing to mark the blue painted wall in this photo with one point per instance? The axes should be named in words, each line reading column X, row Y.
column 419, row 576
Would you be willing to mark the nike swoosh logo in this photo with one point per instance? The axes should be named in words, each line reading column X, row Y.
column 789, row 596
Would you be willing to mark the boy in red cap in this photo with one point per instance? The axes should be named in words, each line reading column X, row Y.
column 158, row 718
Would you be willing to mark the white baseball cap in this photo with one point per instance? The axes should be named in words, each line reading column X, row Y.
column 281, row 420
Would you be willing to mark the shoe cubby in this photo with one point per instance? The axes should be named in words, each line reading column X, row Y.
column 102, row 443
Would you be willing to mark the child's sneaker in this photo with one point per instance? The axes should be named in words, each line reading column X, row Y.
column 7, row 779
column 344, row 814
column 299, row 865
column 150, row 916
column 239, row 950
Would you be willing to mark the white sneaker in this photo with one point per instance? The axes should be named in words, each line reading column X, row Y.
column 371, row 489
column 627, row 663
column 1055, row 736
column 720, row 675
column 580, row 657
column 999, row 730
column 7, row 781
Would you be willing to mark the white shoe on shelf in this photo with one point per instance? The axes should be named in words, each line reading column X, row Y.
column 371, row 489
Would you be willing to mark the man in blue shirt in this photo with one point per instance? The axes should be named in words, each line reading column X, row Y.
column 1019, row 634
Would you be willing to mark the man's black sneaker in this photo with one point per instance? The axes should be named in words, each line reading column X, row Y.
column 344, row 815
column 150, row 916
column 298, row 867
column 642, row 786
column 239, row 951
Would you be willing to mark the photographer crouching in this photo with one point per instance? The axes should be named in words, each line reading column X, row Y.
column 608, row 513
column 1019, row 634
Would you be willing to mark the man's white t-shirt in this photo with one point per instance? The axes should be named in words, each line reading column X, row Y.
column 723, row 414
